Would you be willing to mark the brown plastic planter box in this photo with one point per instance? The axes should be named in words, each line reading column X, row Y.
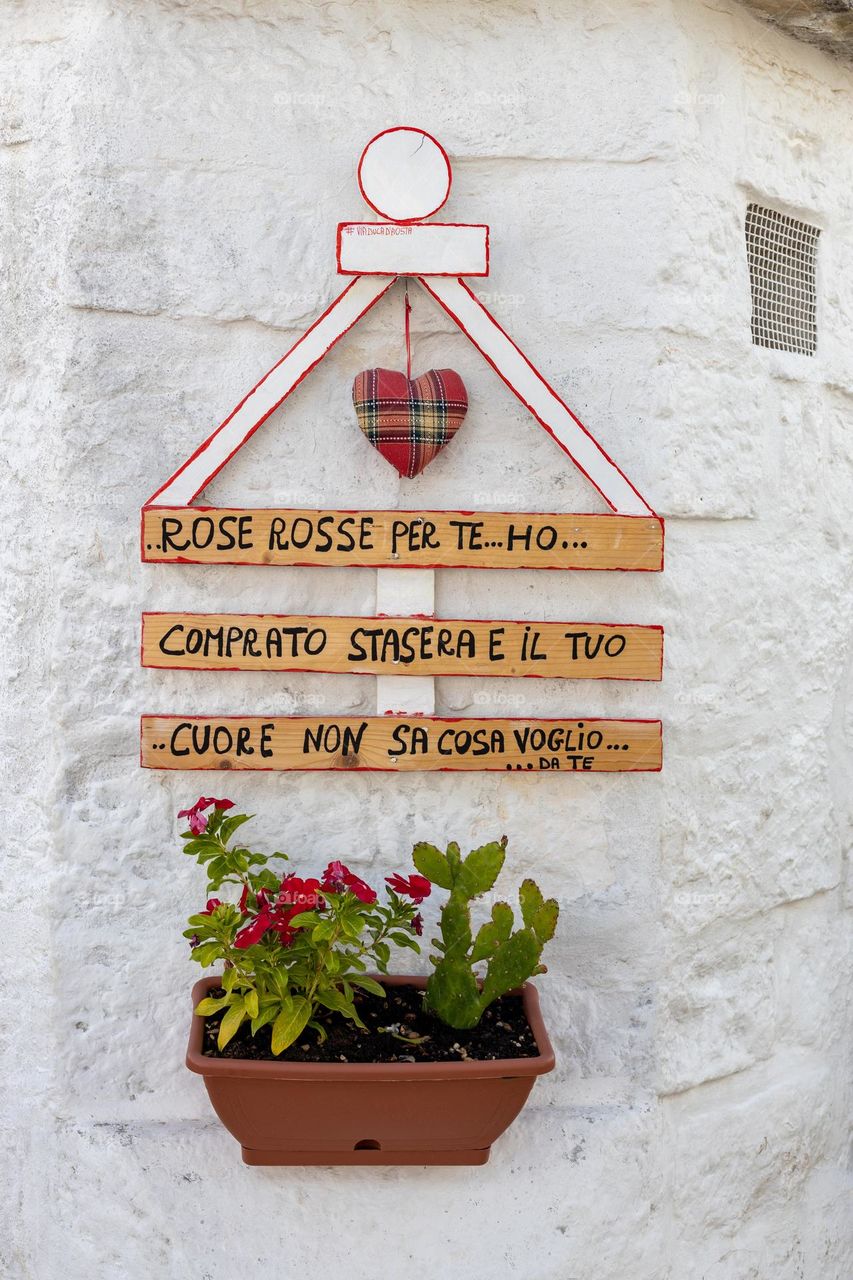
column 368, row 1113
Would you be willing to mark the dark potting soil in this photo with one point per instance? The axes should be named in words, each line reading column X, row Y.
column 399, row 1030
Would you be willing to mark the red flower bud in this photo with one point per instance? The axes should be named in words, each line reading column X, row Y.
column 415, row 887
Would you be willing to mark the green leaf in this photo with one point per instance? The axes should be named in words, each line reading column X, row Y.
column 265, row 879
column 352, row 927
column 265, row 1016
column 456, row 927
column 231, row 1023
column 290, row 1023
column 453, row 994
column 230, row 825
column 338, row 1003
column 305, row 920
column 251, row 1000
column 545, row 921
column 486, row 942
column 432, row 863
column 207, row 952
column 405, row 940
column 531, row 900
column 503, row 919
column 514, row 963
column 481, row 868
column 383, row 954
column 367, row 984
column 210, row 1005
column 323, row 931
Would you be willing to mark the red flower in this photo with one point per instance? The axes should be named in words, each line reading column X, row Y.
column 418, row 923
column 294, row 896
column 303, row 894
column 252, row 933
column 196, row 817
column 212, row 904
column 337, row 878
column 415, row 887
column 255, row 930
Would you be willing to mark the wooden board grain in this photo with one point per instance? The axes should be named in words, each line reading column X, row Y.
column 400, row 646
column 400, row 744
column 401, row 539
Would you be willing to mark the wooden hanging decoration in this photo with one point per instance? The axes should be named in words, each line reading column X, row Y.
column 404, row 175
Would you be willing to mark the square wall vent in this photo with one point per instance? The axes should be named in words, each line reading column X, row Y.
column 781, row 253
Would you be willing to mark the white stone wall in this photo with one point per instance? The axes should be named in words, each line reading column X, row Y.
column 172, row 174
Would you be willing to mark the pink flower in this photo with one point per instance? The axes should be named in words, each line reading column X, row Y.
column 337, row 878
column 196, row 820
column 196, row 817
column 415, row 887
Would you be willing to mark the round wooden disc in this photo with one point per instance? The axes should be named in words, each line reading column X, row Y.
column 404, row 174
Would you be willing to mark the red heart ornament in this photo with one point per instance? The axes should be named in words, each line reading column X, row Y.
column 409, row 420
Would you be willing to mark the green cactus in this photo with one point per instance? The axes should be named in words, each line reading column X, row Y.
column 453, row 991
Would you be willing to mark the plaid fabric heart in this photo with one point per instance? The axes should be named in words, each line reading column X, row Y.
column 409, row 420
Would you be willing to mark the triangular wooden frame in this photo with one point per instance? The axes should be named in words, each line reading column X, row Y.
column 479, row 326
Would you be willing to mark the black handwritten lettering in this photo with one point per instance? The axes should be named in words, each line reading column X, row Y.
column 524, row 538
column 468, row 534
column 169, row 527
column 332, row 739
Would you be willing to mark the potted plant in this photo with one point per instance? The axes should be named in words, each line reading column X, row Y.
column 313, row 1054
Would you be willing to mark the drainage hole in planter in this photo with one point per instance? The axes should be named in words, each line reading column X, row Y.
column 367, row 1144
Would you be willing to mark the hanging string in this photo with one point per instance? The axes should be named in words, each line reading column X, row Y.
column 408, row 335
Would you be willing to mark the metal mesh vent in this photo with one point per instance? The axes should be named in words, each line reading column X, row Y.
column 781, row 253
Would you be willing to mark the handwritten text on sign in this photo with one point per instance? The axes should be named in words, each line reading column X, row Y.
column 398, row 539
column 400, row 646
column 399, row 743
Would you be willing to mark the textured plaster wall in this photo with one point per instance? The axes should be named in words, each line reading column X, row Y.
column 171, row 177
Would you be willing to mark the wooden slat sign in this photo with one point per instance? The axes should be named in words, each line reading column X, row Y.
column 400, row 744
column 401, row 539
column 400, row 646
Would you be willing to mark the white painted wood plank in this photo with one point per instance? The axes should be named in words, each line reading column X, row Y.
column 402, row 593
column 434, row 248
